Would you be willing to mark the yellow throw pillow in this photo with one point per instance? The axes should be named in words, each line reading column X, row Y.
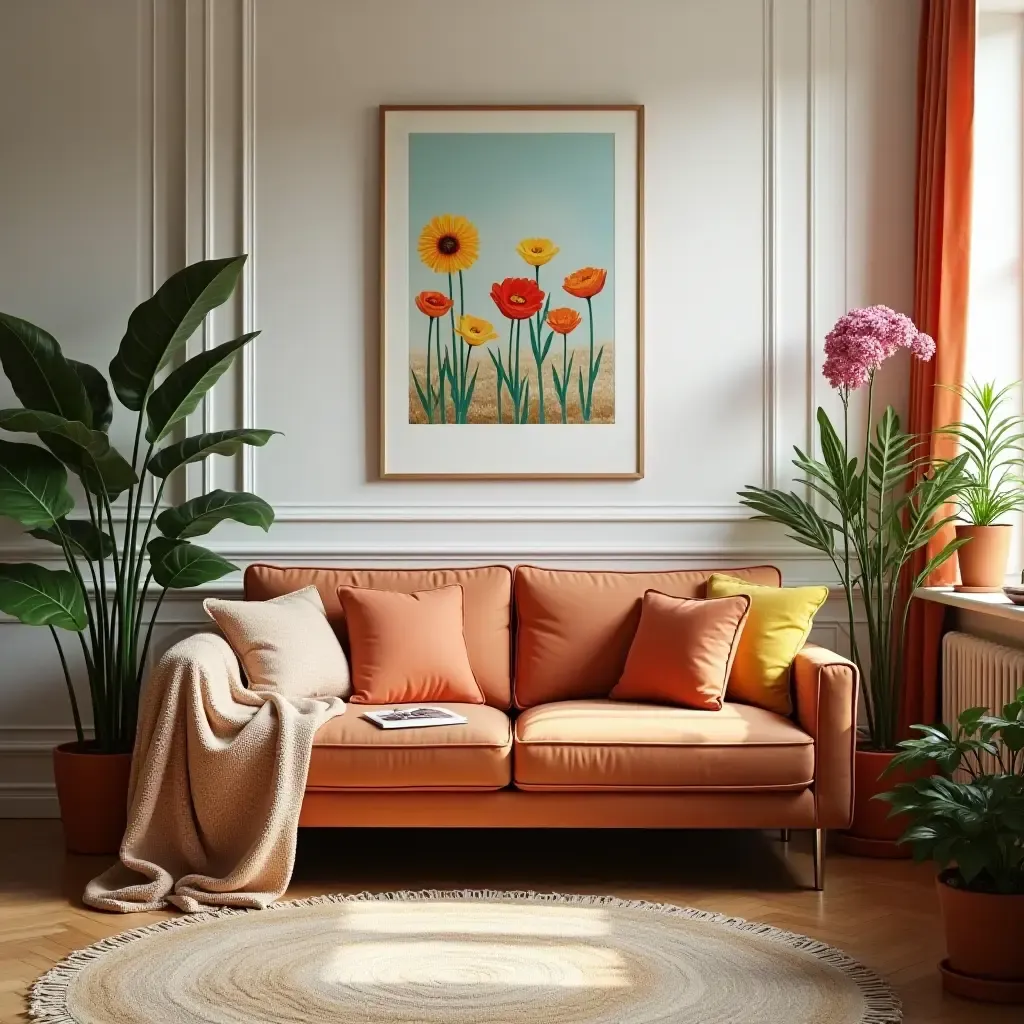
column 779, row 621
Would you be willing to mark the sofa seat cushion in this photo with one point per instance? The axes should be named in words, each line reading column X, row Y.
column 350, row 752
column 613, row 745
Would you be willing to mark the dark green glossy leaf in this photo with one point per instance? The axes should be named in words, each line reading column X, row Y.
column 200, row 515
column 82, row 537
column 99, row 466
column 42, row 597
column 33, row 485
column 39, row 374
column 161, row 325
column 184, row 389
column 178, row 565
column 98, row 392
column 201, row 446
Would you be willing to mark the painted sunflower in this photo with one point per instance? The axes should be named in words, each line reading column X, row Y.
column 537, row 251
column 449, row 243
column 475, row 330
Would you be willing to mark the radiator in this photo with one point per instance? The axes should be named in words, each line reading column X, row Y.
column 977, row 673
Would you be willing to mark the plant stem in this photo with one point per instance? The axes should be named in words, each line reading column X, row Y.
column 79, row 732
column 590, row 382
column 456, row 354
column 430, row 376
column 538, row 358
column 149, row 631
column 519, row 383
column 563, row 397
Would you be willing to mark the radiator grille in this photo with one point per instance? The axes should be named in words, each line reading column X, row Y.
column 978, row 672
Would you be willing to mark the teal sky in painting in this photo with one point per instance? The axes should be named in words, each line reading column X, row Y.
column 513, row 186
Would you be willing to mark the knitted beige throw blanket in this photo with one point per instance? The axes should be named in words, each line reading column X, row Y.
column 217, row 779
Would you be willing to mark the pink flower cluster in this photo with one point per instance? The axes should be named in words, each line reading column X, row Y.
column 863, row 339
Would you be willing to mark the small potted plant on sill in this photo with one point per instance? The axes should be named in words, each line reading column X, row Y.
column 867, row 515
column 969, row 819
column 993, row 445
column 101, row 597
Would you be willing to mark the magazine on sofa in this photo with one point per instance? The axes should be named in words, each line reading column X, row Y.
column 414, row 718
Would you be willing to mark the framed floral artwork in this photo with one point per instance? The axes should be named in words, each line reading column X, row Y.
column 511, row 292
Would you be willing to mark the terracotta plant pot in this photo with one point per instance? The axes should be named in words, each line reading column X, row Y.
column 984, row 941
column 983, row 558
column 92, row 790
column 873, row 833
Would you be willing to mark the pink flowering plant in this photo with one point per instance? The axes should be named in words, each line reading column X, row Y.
column 869, row 512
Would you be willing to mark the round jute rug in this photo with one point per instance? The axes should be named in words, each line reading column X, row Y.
column 473, row 957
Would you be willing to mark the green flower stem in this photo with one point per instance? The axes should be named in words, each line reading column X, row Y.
column 590, row 382
column 511, row 327
column 456, row 385
column 443, row 411
column 563, row 397
column 519, row 383
column 539, row 361
column 430, row 375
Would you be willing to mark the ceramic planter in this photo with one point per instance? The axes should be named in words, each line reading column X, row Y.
column 92, row 790
column 983, row 558
column 984, row 943
column 873, row 833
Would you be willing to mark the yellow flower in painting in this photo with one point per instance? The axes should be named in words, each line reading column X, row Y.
column 449, row 243
column 537, row 251
column 475, row 330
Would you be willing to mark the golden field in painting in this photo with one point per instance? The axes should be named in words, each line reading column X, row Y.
column 484, row 407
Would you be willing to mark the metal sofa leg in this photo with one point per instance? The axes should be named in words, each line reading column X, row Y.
column 819, row 859
column 784, row 835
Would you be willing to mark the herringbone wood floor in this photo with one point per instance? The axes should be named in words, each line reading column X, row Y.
column 883, row 913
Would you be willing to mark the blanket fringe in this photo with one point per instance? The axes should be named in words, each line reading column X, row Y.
column 48, row 998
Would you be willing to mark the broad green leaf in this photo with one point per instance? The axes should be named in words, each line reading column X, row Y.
column 161, row 325
column 33, row 485
column 88, row 453
column 178, row 565
column 39, row 374
column 81, row 536
column 98, row 393
column 184, row 389
column 201, row 446
column 200, row 515
column 42, row 597
column 421, row 394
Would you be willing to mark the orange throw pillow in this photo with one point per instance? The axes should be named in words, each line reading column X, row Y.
column 408, row 648
column 683, row 651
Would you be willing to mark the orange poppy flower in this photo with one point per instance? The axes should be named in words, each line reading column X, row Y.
column 518, row 298
column 433, row 303
column 563, row 320
column 585, row 283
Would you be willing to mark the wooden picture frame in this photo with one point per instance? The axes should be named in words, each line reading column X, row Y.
column 511, row 251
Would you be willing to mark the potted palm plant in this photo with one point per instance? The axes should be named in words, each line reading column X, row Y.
column 993, row 445
column 867, row 514
column 101, row 596
column 969, row 820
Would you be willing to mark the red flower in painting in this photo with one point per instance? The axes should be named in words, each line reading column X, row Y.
column 433, row 303
column 518, row 298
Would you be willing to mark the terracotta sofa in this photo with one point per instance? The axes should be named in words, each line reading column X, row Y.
column 548, row 749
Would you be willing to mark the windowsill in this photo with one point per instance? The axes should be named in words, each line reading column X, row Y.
column 996, row 604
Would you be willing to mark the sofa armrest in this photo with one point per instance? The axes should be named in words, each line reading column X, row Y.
column 826, row 687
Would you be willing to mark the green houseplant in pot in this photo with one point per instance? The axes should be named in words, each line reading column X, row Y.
column 101, row 596
column 969, row 820
column 867, row 514
column 993, row 445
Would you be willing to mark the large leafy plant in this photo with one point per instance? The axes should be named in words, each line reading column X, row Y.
column 968, row 820
column 872, row 511
column 101, row 595
column 994, row 446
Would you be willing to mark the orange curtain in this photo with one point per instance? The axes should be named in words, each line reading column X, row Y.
column 943, row 228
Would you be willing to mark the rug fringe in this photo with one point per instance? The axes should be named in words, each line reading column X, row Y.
column 48, row 997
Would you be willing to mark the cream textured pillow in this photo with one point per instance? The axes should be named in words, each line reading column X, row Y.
column 285, row 644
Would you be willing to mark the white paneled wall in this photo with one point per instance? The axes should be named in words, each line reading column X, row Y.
column 143, row 133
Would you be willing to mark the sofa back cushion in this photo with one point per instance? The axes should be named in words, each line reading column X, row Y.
column 574, row 629
column 487, row 599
